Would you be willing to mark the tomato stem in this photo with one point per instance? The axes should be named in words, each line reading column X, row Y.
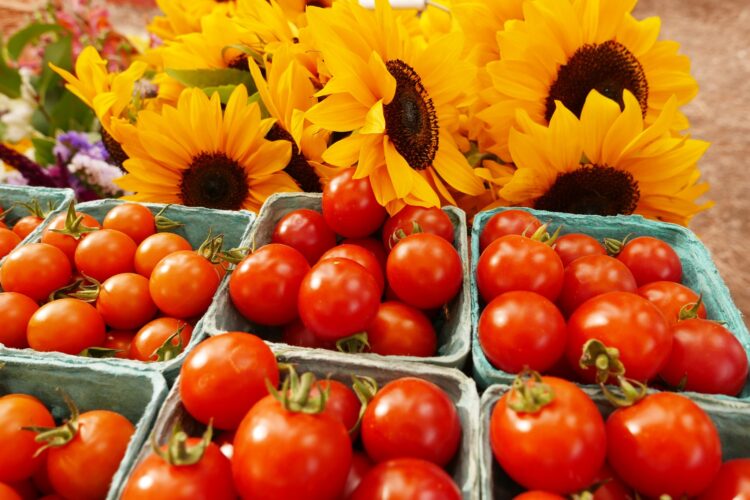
column 295, row 394
column 79, row 290
column 542, row 235
column 74, row 224
column 606, row 360
column 614, row 246
column 163, row 223
column 400, row 234
column 35, row 210
column 529, row 394
column 177, row 451
column 365, row 388
column 690, row 311
column 355, row 344
column 57, row 436
column 168, row 350
column 99, row 352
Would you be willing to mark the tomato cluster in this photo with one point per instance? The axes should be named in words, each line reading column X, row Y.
column 10, row 237
column 322, row 278
column 303, row 438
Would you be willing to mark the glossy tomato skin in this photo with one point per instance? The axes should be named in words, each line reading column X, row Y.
column 25, row 225
column 8, row 241
column 15, row 312
column 538, row 495
column 361, row 465
column 401, row 330
column 17, row 446
column 208, row 479
column 306, row 231
column 183, row 284
column 593, row 275
column 570, row 430
column 83, row 467
column 430, row 220
column 133, row 219
column 518, row 263
column 66, row 243
column 35, row 270
column 707, row 356
column 424, row 270
column 670, row 298
column 732, row 482
column 224, row 376
column 65, row 325
column 571, row 246
column 350, row 207
column 119, row 340
column 505, row 223
column 153, row 335
column 342, row 403
column 406, row 479
column 104, row 253
column 371, row 244
column 154, row 248
column 265, row 285
column 338, row 298
column 411, row 417
column 298, row 334
column 522, row 329
column 626, row 321
column 664, row 444
column 650, row 260
column 8, row 493
column 125, row 301
column 361, row 256
column 279, row 454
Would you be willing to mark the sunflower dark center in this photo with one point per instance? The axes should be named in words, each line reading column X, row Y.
column 240, row 63
column 608, row 67
column 214, row 181
column 410, row 118
column 592, row 189
column 117, row 155
column 298, row 168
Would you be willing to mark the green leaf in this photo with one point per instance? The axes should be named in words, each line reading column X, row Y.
column 206, row 78
column 23, row 37
column 10, row 79
column 59, row 53
column 225, row 91
column 43, row 150
column 70, row 113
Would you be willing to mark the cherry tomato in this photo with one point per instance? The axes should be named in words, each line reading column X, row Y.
column 651, row 260
column 508, row 222
column 298, row 334
column 8, row 241
column 361, row 465
column 664, row 444
column 732, row 481
column 411, row 417
column 522, row 329
column 518, row 263
column 609, row 486
column 338, row 298
column 538, row 495
column 154, row 248
column 569, row 429
column 15, row 312
column 224, row 376
column 569, row 247
column 17, row 446
column 65, row 242
column 183, row 284
column 401, row 330
column 104, row 253
column 25, row 225
column 154, row 334
column 429, row 220
column 8, row 493
column 424, row 270
column 120, row 341
column 406, row 479
column 133, row 219
column 306, row 231
column 342, row 403
column 350, row 207
column 65, row 325
column 624, row 321
column 371, row 244
column 670, row 298
column 593, row 275
column 125, row 301
column 361, row 256
column 24, row 489
column 35, row 270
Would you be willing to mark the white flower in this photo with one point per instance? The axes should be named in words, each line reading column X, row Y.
column 96, row 173
column 16, row 114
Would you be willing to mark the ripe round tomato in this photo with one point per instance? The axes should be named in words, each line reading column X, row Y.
column 350, row 207
column 609, row 486
column 154, row 334
column 522, row 329
column 281, row 454
column 414, row 418
column 8, row 241
column 306, row 231
column 430, row 220
column 361, row 256
column 401, row 330
column 371, row 244
column 133, row 219
column 25, row 225
column 706, row 358
column 183, row 284
column 35, row 270
column 120, row 341
column 732, row 481
column 424, row 270
column 154, row 248
column 125, row 301
column 15, row 312
column 518, row 263
column 265, row 285
column 104, row 253
column 664, row 444
column 670, row 298
column 65, row 325
column 593, row 275
column 342, row 403
column 338, row 298
column 224, row 376
column 83, row 467
column 17, row 446
column 569, row 429
column 569, row 247
column 508, row 222
column 627, row 322
column 650, row 260
column 538, row 495
column 406, row 479
column 298, row 334
column 65, row 242
column 8, row 493
column 361, row 465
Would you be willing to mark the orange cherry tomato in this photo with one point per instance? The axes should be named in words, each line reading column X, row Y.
column 156, row 247
column 154, row 334
column 65, row 325
column 17, row 446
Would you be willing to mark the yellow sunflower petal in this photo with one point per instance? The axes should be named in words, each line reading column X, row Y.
column 401, row 174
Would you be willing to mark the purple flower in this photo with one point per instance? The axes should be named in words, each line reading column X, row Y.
column 69, row 143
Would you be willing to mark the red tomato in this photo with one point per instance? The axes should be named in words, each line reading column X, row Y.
column 120, row 341
column 15, row 312
column 350, row 207
column 65, row 242
column 609, row 486
column 651, row 260
column 664, row 444
column 265, row 285
column 569, row 247
column 627, row 322
column 706, row 358
column 154, row 334
column 25, row 225
column 8, row 493
column 133, row 219
column 342, row 403
column 430, row 220
column 569, row 429
column 593, row 275
column 24, row 489
column 732, row 481
column 224, row 376
column 8, row 241
column 414, row 418
column 17, row 446
column 371, row 244
column 518, row 263
column 670, row 298
column 104, row 253
column 338, row 298
column 361, row 465
column 83, row 467
column 401, row 330
column 522, row 329
column 35, row 270
column 125, row 301
column 508, row 222
column 361, row 256
column 306, row 231
column 154, row 248
column 298, row 334
column 406, row 479
column 183, row 284
column 280, row 454
column 65, row 325
column 538, row 495
column 424, row 270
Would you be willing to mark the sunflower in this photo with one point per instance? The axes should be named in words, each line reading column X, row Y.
column 606, row 162
column 399, row 97
column 563, row 49
column 184, row 16
column 481, row 21
column 194, row 154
